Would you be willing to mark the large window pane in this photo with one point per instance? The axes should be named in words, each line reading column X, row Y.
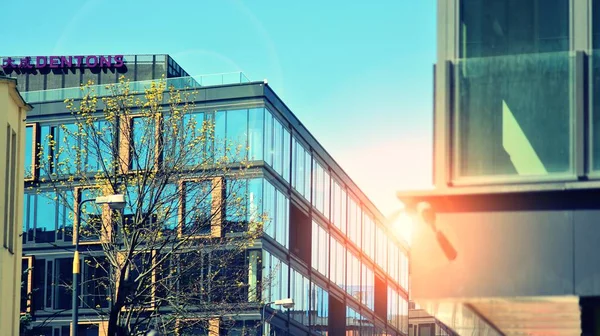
column 255, row 133
column 507, row 27
column 197, row 207
column 28, row 158
column 45, row 217
column 513, row 86
column 319, row 310
column 338, row 263
column 237, row 134
column 514, row 115
column 62, row 285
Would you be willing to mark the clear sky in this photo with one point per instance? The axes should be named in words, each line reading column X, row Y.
column 358, row 74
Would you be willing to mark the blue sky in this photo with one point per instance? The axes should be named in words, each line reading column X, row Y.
column 358, row 74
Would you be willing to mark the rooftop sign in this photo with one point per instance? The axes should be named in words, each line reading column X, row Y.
column 63, row 62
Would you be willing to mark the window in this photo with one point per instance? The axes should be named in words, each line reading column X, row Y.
column 394, row 262
column 201, row 210
column 338, row 263
column 321, row 182
column 140, row 149
column 301, row 169
column 353, row 322
column 237, row 135
column 367, row 287
column 275, row 279
column 320, row 249
column 61, row 283
column 97, row 152
column 353, row 276
column 354, row 221
column 48, row 216
column 499, row 27
column 91, row 227
column 299, row 290
column 95, row 282
column 404, row 271
column 186, row 141
column 30, row 151
column 514, row 100
column 319, row 309
column 243, row 205
column 277, row 209
column 368, row 235
column 393, row 316
column 382, row 247
column 338, row 200
column 277, row 144
column 256, row 133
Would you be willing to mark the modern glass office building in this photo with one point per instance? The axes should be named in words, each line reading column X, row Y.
column 326, row 245
column 516, row 148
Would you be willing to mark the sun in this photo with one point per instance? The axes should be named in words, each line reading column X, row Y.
column 402, row 225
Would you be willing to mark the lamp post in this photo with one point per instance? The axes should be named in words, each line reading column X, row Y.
column 115, row 202
column 285, row 303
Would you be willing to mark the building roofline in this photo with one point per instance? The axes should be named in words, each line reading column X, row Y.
column 324, row 154
column 14, row 92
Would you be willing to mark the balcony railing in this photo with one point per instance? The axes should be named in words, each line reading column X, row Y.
column 139, row 86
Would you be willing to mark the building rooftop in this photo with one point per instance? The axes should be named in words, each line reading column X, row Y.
column 138, row 86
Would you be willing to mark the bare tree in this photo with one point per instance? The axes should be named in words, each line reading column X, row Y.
column 179, row 255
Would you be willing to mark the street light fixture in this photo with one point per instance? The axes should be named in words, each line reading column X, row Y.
column 285, row 303
column 115, row 202
column 425, row 214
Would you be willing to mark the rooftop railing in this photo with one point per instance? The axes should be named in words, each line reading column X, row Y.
column 139, row 86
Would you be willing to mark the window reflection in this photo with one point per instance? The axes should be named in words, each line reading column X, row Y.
column 29, row 152
column 255, row 133
column 142, row 153
column 338, row 263
column 276, row 208
column 301, row 160
column 45, row 205
column 197, row 213
column 320, row 249
column 90, row 223
column 319, row 310
column 513, row 54
column 237, row 134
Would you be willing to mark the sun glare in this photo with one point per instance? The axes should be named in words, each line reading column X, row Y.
column 403, row 227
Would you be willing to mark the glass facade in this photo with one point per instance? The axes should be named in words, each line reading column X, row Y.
column 513, row 89
column 345, row 240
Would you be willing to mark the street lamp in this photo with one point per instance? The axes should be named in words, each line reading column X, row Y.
column 115, row 202
column 285, row 303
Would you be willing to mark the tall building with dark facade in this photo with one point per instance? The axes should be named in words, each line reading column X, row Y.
column 327, row 245
column 516, row 143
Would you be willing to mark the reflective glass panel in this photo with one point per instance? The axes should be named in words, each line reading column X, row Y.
column 256, row 133
column 237, row 134
column 514, row 96
column 45, row 217
column 29, row 152
column 198, row 205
